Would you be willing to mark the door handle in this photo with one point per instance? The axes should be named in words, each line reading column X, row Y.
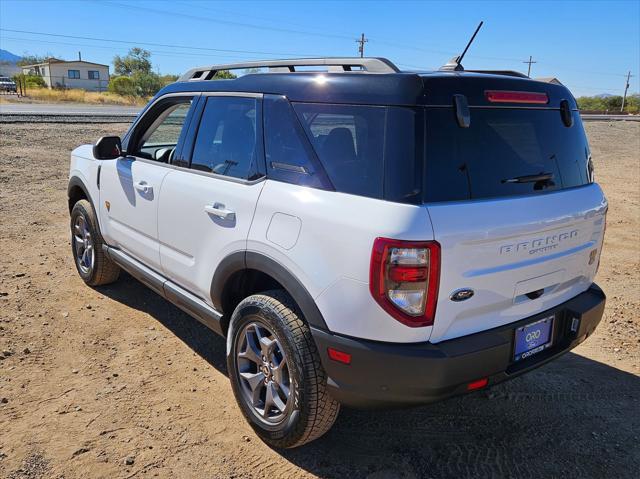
column 143, row 187
column 220, row 211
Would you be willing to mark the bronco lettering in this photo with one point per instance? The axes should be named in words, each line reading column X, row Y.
column 539, row 245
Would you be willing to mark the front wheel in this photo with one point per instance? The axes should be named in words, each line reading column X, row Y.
column 276, row 374
column 93, row 265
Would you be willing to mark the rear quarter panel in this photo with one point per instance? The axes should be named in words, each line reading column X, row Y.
column 325, row 239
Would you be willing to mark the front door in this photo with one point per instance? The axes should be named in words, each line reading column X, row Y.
column 130, row 185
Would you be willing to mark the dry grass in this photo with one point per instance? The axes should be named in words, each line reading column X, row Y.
column 81, row 96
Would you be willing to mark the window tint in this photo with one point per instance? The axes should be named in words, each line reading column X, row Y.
column 226, row 143
column 72, row 74
column 94, row 75
column 160, row 139
column 371, row 151
column 349, row 140
column 289, row 156
column 501, row 147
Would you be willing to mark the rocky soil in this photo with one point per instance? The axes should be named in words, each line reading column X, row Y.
column 115, row 382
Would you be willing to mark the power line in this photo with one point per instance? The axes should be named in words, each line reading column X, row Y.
column 361, row 41
column 209, row 49
column 529, row 62
column 220, row 21
column 306, row 32
column 166, row 53
column 626, row 88
column 132, row 42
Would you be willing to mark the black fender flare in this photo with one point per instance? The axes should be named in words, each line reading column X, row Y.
column 252, row 260
column 76, row 182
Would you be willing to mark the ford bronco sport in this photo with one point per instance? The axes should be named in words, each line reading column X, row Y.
column 360, row 235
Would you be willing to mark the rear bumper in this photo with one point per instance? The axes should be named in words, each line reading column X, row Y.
column 391, row 374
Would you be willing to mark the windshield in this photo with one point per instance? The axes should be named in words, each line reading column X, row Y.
column 504, row 152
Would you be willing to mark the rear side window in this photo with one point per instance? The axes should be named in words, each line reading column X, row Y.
column 289, row 156
column 371, row 151
column 502, row 153
column 349, row 140
column 226, row 142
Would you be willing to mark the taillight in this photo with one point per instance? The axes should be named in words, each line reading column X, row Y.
column 404, row 279
column 499, row 96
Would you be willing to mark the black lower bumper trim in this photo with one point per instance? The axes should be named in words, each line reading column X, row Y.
column 391, row 374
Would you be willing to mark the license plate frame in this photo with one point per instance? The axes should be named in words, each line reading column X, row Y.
column 533, row 338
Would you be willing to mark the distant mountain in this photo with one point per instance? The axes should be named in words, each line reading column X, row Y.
column 604, row 95
column 6, row 56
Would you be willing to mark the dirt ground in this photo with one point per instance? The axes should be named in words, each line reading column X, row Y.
column 116, row 382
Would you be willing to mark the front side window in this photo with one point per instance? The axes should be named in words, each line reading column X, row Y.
column 160, row 138
column 74, row 74
column 94, row 75
column 226, row 143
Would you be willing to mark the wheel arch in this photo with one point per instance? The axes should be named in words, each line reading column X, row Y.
column 248, row 272
column 76, row 191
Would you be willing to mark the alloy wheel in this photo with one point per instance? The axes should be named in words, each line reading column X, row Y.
column 263, row 373
column 83, row 244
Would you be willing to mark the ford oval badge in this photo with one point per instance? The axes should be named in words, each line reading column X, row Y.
column 461, row 295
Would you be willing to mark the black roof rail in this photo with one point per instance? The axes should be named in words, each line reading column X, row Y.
column 509, row 73
column 345, row 64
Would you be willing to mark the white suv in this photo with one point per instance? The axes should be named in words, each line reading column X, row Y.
column 360, row 235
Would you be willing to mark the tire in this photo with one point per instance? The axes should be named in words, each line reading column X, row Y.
column 309, row 410
column 93, row 265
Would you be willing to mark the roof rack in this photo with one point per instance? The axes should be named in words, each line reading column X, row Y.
column 367, row 65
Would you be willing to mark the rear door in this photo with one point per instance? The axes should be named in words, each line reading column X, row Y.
column 206, row 208
column 514, row 208
column 130, row 185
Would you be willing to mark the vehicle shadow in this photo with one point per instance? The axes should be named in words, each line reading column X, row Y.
column 574, row 417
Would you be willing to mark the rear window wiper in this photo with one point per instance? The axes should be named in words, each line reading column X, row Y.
column 539, row 178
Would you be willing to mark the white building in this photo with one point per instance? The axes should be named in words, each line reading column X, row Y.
column 74, row 74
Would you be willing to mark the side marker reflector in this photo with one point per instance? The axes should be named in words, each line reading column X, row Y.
column 339, row 356
column 479, row 384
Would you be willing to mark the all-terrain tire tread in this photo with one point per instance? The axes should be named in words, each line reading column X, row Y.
column 105, row 270
column 323, row 408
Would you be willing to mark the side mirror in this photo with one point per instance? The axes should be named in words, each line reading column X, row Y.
column 107, row 148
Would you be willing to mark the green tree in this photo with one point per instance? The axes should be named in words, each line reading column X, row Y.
column 613, row 103
column 146, row 84
column 122, row 85
column 224, row 75
column 30, row 59
column 136, row 61
column 167, row 79
column 31, row 81
column 632, row 105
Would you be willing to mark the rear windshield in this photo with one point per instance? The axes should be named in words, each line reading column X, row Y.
column 415, row 155
column 504, row 152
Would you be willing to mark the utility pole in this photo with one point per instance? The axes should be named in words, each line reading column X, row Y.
column 529, row 62
column 626, row 87
column 361, row 43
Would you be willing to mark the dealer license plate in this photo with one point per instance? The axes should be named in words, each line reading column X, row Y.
column 533, row 338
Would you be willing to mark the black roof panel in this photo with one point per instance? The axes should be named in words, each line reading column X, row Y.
column 403, row 88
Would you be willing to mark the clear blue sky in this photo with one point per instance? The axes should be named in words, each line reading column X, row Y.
column 588, row 45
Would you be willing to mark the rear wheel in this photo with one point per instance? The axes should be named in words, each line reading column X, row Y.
column 93, row 265
column 276, row 373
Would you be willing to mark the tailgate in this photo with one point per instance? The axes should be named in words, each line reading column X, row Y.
column 520, row 256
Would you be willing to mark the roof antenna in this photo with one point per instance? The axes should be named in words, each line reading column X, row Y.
column 455, row 64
